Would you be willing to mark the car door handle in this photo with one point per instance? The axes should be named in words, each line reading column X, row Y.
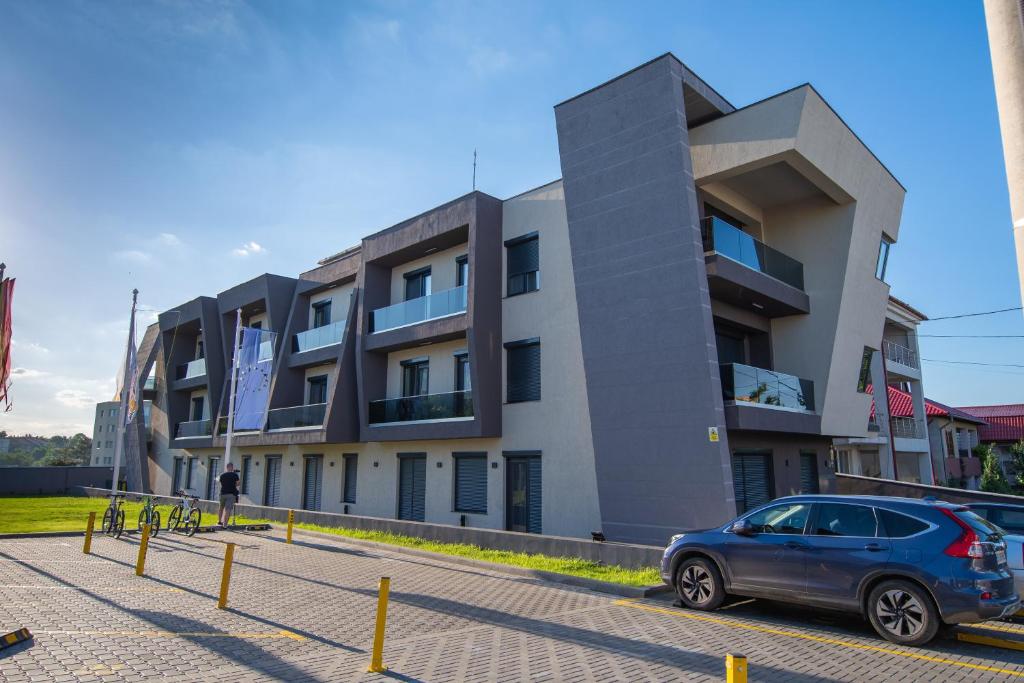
column 874, row 548
column 793, row 545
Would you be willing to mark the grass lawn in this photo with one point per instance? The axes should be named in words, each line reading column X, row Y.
column 66, row 513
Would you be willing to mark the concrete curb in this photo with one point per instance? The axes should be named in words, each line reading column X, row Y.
column 554, row 577
column 43, row 534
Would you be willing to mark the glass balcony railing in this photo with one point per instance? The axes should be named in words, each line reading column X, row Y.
column 318, row 337
column 266, row 351
column 196, row 368
column 185, row 430
column 296, row 416
column 436, row 305
column 150, row 383
column 426, row 407
column 747, row 384
column 730, row 241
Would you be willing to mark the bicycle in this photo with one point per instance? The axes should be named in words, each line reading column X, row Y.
column 186, row 514
column 113, row 516
column 149, row 515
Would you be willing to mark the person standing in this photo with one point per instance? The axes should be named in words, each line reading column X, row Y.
column 229, row 482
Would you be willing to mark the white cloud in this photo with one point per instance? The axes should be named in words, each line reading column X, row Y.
column 249, row 249
column 29, row 346
column 169, row 239
column 28, row 374
column 133, row 255
column 75, row 398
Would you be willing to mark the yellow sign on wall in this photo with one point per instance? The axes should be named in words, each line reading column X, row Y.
column 713, row 434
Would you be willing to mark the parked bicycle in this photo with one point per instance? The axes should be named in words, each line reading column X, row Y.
column 186, row 515
column 149, row 515
column 113, row 516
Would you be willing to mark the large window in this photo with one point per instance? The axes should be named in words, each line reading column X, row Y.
column 883, row 257
column 523, row 264
column 415, row 377
column 522, row 360
column 349, row 485
column 417, row 283
column 461, row 271
column 322, row 313
column 462, row 377
column 246, row 471
column 471, row 482
column 841, row 519
column 864, row 377
column 197, row 408
column 317, row 389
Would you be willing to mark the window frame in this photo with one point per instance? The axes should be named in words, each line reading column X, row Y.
column 316, row 380
column 423, row 274
column 530, row 278
column 347, row 458
column 462, row 270
column 816, row 512
column 884, row 532
column 882, row 263
column 416, row 365
column 864, row 374
column 772, row 505
column 459, row 458
column 319, row 308
column 245, row 474
column 462, row 359
column 518, row 345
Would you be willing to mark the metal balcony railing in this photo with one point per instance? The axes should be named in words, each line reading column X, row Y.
column 295, row 417
column 907, row 428
column 195, row 428
column 897, row 353
column 747, row 384
column 455, row 404
column 195, row 368
column 728, row 240
column 437, row 305
column 318, row 337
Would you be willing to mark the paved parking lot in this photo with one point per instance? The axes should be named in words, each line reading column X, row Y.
column 306, row 611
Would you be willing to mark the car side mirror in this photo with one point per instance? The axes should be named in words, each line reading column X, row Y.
column 742, row 528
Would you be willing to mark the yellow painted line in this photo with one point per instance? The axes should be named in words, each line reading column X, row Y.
column 979, row 639
column 818, row 639
column 176, row 634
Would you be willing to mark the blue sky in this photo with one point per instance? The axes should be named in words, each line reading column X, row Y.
column 184, row 147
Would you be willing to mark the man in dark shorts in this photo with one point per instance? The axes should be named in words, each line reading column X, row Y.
column 229, row 482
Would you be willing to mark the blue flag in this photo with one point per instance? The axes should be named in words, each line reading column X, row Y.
column 255, row 364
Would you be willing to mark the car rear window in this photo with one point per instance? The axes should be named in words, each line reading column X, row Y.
column 981, row 526
column 896, row 525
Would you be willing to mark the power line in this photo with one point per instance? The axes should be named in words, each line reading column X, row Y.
column 971, row 315
column 971, row 362
column 970, row 336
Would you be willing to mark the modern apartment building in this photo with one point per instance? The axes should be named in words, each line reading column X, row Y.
column 675, row 330
column 104, row 433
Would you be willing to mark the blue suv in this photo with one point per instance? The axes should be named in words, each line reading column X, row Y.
column 907, row 565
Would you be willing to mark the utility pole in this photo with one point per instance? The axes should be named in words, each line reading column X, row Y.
column 474, row 169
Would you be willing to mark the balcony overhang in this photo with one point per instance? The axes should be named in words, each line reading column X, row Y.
column 735, row 283
column 417, row 334
column 317, row 356
column 762, row 418
column 190, row 383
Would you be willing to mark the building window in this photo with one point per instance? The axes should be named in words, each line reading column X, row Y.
column 197, row 408
column 883, row 257
column 864, row 377
column 312, row 476
column 179, row 466
column 751, row 479
column 246, row 469
column 317, row 389
column 463, row 382
column 351, row 467
column 200, row 351
column 461, row 271
column 809, row 473
column 523, row 487
column 321, row 313
column 417, row 283
column 212, row 473
column 190, row 469
column 471, row 482
column 522, row 360
column 523, row 264
column 415, row 376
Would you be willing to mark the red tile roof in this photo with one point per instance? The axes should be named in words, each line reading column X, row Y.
column 901, row 404
column 1005, row 422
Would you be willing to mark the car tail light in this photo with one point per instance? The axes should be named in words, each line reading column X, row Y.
column 967, row 545
column 986, row 596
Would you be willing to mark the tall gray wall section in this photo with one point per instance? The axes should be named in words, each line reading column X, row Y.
column 645, row 315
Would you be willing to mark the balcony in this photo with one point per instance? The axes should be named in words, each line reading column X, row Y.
column 431, row 307
column 907, row 428
column 318, row 337
column 900, row 355
column 296, row 417
column 750, row 385
column 455, row 405
column 728, row 240
column 193, row 429
column 150, row 383
column 196, row 368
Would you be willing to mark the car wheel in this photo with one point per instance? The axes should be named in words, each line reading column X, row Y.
column 699, row 584
column 903, row 612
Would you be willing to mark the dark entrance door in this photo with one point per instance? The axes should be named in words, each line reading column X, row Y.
column 412, row 487
column 522, row 494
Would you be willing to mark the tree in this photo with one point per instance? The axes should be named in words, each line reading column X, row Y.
column 992, row 478
column 1017, row 460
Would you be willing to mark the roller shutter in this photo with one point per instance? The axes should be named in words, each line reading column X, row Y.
column 471, row 483
column 312, row 474
column 412, row 489
column 272, row 488
column 751, row 480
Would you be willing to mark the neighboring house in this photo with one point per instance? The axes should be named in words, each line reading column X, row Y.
column 675, row 330
column 899, row 429
column 953, row 434
column 104, row 433
column 1005, row 427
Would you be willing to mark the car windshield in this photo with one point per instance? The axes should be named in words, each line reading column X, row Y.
column 984, row 528
column 780, row 519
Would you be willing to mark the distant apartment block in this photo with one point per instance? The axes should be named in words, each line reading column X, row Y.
column 674, row 331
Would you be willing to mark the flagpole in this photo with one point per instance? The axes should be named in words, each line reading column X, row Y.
column 122, row 409
column 231, row 395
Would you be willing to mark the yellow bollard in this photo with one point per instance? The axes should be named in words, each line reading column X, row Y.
column 291, row 520
column 225, row 577
column 140, row 563
column 376, row 661
column 735, row 669
column 87, row 548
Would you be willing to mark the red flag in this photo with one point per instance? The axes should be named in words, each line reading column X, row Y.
column 6, row 296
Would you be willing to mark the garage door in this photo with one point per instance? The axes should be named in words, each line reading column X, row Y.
column 412, row 487
column 751, row 480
